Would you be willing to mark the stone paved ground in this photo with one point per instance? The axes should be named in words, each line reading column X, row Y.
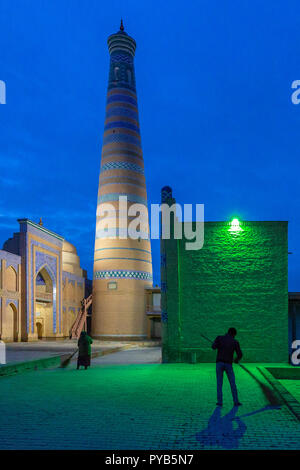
column 138, row 406
column 131, row 356
column 19, row 352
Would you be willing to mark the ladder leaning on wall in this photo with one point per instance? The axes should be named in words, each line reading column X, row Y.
column 81, row 318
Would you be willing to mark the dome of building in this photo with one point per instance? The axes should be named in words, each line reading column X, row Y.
column 70, row 259
column 68, row 247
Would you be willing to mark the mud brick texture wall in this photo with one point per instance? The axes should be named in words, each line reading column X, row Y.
column 239, row 278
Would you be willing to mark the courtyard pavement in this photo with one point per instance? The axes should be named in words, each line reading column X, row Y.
column 134, row 355
column 120, row 405
column 26, row 351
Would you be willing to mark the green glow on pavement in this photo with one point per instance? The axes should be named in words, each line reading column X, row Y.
column 153, row 406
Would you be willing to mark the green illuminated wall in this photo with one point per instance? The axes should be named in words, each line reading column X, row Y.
column 237, row 279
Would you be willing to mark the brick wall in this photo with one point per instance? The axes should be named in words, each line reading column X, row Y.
column 237, row 279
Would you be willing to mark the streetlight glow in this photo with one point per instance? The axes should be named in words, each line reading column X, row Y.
column 235, row 226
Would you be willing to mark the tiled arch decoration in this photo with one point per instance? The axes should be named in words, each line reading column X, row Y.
column 44, row 260
column 13, row 301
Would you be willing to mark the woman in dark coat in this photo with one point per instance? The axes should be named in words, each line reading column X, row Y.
column 85, row 350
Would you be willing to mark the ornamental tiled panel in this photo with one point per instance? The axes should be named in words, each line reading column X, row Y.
column 121, row 274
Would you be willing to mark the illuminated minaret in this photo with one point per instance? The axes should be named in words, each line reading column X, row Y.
column 122, row 266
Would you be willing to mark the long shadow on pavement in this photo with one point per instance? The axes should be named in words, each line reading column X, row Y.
column 220, row 431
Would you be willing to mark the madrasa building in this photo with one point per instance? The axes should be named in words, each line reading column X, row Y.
column 42, row 285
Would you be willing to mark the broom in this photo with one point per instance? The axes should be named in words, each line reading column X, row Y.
column 269, row 394
column 67, row 361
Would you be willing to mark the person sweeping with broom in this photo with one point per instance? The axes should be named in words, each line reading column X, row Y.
column 85, row 350
column 226, row 346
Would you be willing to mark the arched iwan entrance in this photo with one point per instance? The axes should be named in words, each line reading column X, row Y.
column 39, row 329
column 9, row 324
column 43, row 304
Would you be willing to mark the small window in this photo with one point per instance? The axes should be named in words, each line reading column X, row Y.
column 112, row 285
column 117, row 69
column 129, row 76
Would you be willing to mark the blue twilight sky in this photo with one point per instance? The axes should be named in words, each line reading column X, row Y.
column 214, row 88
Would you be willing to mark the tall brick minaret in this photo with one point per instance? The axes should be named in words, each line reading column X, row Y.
column 122, row 266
